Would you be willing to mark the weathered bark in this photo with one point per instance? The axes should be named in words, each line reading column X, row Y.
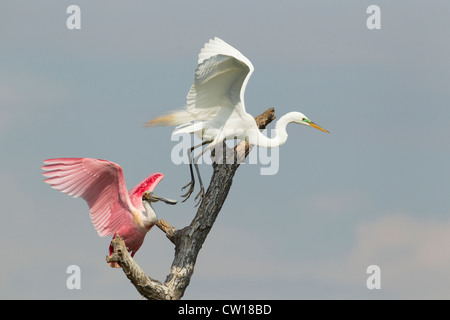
column 189, row 240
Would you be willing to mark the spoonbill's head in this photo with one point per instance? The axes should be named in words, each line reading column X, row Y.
column 300, row 118
column 150, row 197
column 147, row 199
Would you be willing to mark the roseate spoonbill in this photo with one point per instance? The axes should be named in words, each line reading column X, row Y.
column 215, row 106
column 113, row 209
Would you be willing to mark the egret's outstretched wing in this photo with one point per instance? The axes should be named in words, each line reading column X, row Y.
column 217, row 92
column 220, row 80
column 148, row 184
column 100, row 183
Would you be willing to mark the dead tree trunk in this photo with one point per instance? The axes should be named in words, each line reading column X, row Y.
column 189, row 240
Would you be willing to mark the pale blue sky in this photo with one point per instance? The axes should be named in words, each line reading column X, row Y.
column 374, row 191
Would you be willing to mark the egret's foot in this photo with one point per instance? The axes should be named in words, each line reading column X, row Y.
column 189, row 192
column 202, row 194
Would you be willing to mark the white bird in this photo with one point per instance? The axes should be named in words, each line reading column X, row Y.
column 215, row 108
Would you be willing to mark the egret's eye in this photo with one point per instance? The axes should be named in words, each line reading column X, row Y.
column 306, row 120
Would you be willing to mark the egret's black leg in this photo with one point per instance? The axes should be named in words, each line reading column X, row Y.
column 191, row 184
column 202, row 189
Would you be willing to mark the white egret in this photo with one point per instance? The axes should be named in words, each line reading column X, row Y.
column 215, row 108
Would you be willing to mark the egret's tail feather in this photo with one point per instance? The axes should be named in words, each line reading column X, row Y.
column 165, row 120
column 172, row 119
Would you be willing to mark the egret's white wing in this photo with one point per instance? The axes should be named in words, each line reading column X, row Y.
column 220, row 80
column 216, row 95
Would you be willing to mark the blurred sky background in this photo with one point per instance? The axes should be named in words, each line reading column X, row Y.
column 374, row 191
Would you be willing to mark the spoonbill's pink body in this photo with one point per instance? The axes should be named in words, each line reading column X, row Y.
column 114, row 210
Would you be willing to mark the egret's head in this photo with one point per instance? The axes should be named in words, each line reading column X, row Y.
column 302, row 119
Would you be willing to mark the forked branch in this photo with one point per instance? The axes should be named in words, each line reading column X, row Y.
column 189, row 240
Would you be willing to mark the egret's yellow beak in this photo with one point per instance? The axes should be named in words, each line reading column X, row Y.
column 312, row 124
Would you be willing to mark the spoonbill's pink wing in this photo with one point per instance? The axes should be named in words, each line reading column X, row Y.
column 148, row 184
column 100, row 183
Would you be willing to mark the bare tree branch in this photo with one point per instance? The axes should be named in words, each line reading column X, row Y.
column 189, row 240
column 167, row 229
column 147, row 287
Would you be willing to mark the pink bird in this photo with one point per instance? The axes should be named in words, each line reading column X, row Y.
column 114, row 210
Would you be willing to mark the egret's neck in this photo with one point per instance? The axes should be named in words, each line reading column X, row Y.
column 150, row 214
column 279, row 136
